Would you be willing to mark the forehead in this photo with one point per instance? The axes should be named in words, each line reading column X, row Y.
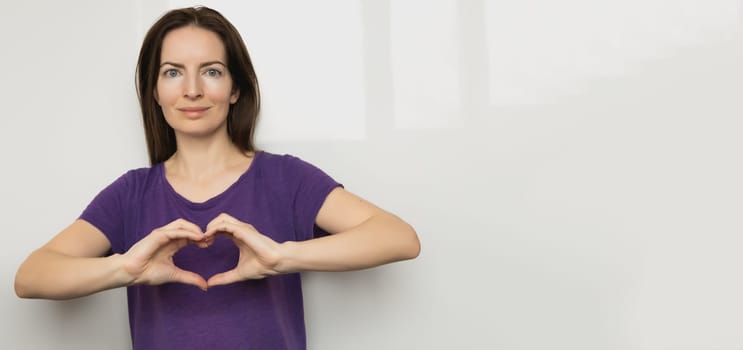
column 192, row 44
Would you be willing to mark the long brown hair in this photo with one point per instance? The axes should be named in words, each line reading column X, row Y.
column 243, row 114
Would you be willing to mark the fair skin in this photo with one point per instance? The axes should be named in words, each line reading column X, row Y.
column 195, row 90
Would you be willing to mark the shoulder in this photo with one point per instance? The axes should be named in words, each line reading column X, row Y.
column 135, row 180
column 279, row 159
column 140, row 175
column 288, row 170
column 284, row 164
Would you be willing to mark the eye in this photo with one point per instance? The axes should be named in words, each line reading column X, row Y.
column 213, row 73
column 171, row 73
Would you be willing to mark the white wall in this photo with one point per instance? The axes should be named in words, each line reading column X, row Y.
column 573, row 168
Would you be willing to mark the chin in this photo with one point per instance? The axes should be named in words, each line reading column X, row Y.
column 199, row 130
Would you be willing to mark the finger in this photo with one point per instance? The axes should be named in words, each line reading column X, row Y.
column 188, row 277
column 223, row 217
column 240, row 231
column 163, row 236
column 219, row 218
column 183, row 225
column 205, row 243
column 149, row 245
column 224, row 278
column 176, row 245
column 222, row 226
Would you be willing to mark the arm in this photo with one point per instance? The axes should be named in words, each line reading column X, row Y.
column 72, row 265
column 363, row 236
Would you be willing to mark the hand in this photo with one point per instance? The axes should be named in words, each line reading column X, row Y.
column 150, row 261
column 259, row 254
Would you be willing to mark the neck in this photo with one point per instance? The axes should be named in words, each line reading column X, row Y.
column 201, row 157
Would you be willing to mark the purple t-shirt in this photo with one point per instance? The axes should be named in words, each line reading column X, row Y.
column 280, row 195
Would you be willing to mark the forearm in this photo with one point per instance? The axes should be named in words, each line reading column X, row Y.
column 382, row 239
column 51, row 275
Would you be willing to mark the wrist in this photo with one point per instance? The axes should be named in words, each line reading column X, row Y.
column 287, row 262
column 121, row 276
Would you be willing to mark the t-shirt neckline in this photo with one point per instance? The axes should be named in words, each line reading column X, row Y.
column 213, row 200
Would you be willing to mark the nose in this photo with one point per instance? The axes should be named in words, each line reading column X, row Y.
column 192, row 90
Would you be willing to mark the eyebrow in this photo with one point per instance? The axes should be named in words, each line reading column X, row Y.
column 178, row 65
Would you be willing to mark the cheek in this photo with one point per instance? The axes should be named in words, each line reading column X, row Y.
column 166, row 93
column 218, row 92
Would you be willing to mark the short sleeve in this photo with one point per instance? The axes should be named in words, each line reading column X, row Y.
column 311, row 187
column 106, row 212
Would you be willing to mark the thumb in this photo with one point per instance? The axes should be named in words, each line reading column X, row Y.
column 188, row 277
column 223, row 278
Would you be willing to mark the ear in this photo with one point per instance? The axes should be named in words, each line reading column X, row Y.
column 235, row 96
column 155, row 95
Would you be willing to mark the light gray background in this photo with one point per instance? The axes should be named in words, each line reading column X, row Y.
column 573, row 168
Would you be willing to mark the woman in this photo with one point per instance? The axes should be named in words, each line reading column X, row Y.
column 209, row 240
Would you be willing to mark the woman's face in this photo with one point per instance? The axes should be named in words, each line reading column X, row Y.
column 194, row 87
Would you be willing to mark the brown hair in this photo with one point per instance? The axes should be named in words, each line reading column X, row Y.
column 243, row 114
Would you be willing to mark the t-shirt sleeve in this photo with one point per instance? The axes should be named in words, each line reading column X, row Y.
column 107, row 211
column 311, row 187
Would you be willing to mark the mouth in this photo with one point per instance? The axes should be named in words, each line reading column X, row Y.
column 193, row 111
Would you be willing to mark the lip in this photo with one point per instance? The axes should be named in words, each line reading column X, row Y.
column 193, row 111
